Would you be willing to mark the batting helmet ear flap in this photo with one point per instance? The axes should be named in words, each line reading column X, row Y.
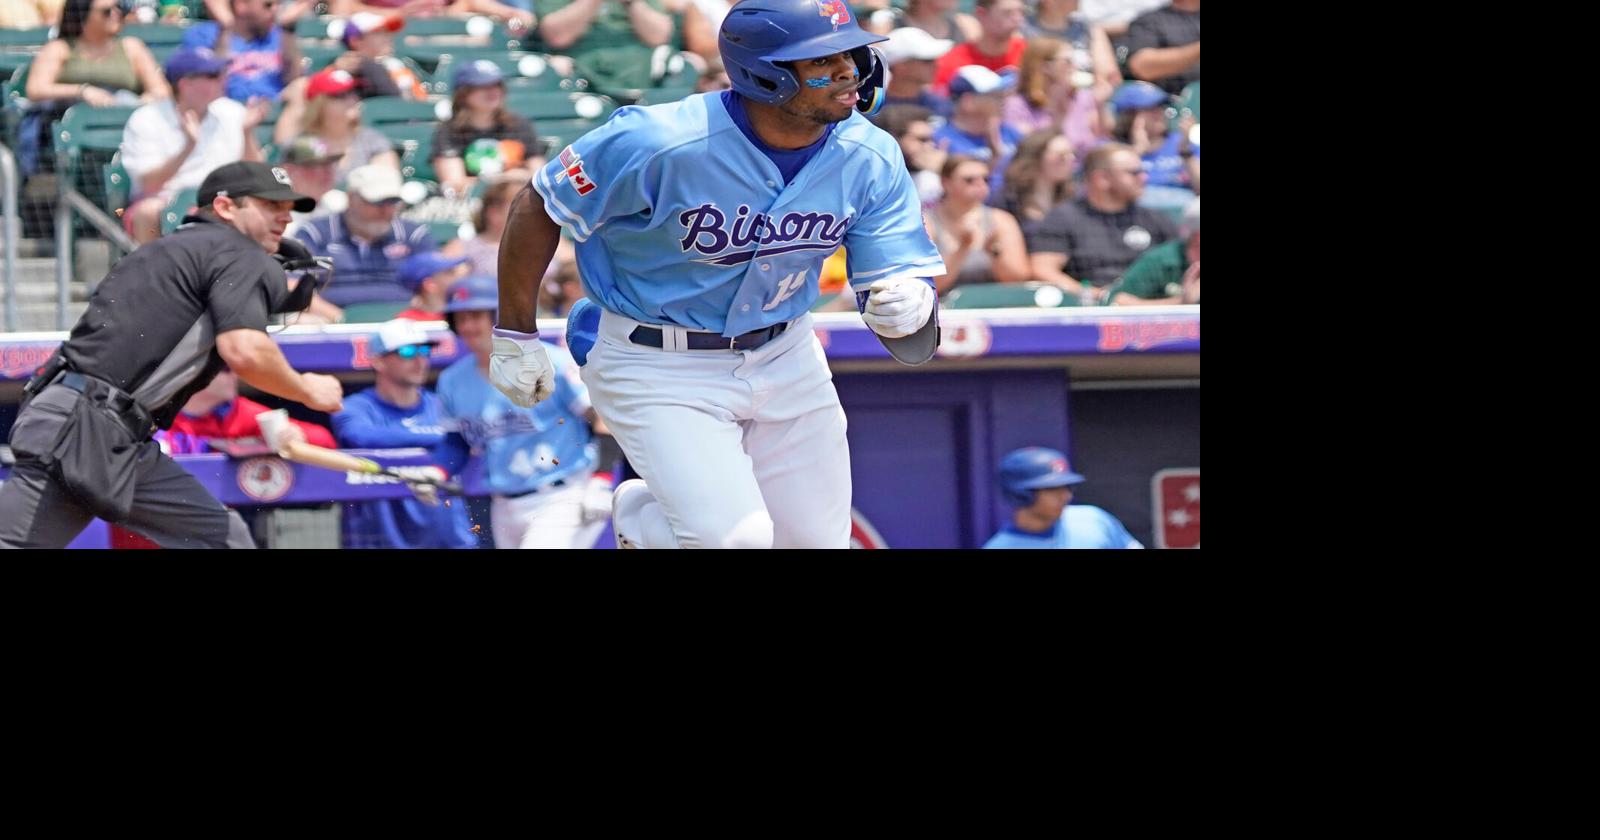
column 871, row 89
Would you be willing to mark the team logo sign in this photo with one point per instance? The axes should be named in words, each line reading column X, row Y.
column 836, row 11
column 1176, row 504
column 265, row 479
column 572, row 167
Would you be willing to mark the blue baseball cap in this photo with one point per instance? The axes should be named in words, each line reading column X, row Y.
column 473, row 293
column 1137, row 96
column 477, row 73
column 194, row 61
column 419, row 267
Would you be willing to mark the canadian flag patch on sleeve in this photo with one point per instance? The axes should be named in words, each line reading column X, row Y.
column 572, row 167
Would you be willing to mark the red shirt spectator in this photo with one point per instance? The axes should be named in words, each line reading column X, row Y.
column 219, row 412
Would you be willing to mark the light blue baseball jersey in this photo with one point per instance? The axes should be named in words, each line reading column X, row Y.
column 681, row 220
column 521, row 448
column 1080, row 526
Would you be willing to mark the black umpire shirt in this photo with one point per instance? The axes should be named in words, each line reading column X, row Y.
column 152, row 323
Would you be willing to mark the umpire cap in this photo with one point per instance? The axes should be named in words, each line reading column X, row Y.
column 247, row 177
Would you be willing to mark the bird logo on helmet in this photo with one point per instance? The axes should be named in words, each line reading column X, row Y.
column 836, row 12
column 759, row 37
column 1032, row 468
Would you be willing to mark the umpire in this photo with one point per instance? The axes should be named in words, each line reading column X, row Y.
column 158, row 328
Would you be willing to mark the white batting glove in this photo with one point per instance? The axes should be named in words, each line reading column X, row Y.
column 597, row 499
column 899, row 306
column 520, row 368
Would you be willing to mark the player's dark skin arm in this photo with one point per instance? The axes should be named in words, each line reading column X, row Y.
column 526, row 248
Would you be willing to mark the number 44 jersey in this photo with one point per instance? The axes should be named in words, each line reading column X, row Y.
column 521, row 448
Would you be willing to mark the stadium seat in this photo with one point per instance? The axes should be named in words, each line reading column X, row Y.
column 373, row 313
column 1008, row 296
column 544, row 105
column 156, row 34
column 181, row 205
column 384, row 110
column 522, row 70
column 13, row 39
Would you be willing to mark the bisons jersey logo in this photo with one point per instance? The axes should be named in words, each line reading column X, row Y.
column 710, row 232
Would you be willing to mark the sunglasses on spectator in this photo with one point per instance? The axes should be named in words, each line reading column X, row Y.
column 973, row 179
column 411, row 351
column 107, row 11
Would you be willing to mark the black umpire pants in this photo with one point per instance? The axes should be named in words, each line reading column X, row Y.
column 170, row 506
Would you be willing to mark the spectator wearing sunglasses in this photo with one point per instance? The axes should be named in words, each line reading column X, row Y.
column 368, row 241
column 979, row 244
column 91, row 61
column 171, row 145
column 398, row 412
column 1091, row 240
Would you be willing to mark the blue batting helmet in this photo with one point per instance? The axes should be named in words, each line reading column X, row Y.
column 1031, row 468
column 759, row 34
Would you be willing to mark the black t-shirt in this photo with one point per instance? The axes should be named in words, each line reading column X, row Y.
column 1162, row 28
column 147, row 308
column 451, row 140
column 1099, row 246
column 372, row 79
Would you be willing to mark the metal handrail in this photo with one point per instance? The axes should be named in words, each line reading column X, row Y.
column 9, row 186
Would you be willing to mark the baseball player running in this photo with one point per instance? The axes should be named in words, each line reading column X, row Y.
column 538, row 462
column 702, row 226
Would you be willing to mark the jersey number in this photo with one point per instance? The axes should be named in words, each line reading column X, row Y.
column 791, row 284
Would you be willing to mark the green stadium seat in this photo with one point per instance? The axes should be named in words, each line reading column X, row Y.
column 384, row 110
column 523, row 70
column 118, row 186
column 414, row 142
column 1008, row 296
column 156, row 34
column 181, row 205
column 14, row 39
column 544, row 105
column 373, row 313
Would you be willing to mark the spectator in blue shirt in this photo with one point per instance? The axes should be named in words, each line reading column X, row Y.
column 395, row 413
column 368, row 240
column 259, row 42
column 975, row 129
column 1039, row 482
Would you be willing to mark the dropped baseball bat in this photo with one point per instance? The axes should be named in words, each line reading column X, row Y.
column 316, row 456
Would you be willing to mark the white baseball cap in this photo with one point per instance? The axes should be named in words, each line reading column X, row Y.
column 374, row 183
column 393, row 335
column 909, row 42
column 975, row 78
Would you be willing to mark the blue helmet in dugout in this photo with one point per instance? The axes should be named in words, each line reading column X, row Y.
column 759, row 37
column 1032, row 468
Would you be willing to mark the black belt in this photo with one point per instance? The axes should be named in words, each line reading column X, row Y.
column 127, row 409
column 560, row 482
column 651, row 337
